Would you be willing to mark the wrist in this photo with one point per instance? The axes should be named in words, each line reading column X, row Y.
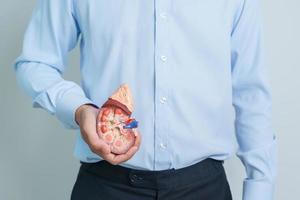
column 81, row 108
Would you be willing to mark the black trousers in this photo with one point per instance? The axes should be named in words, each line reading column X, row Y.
column 205, row 180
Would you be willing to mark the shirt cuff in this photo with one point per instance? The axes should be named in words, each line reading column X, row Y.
column 67, row 106
column 258, row 190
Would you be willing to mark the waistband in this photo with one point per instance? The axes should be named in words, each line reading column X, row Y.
column 201, row 171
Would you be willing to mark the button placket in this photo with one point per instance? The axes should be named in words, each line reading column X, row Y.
column 162, row 157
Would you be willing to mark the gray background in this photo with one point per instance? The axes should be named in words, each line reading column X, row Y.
column 36, row 152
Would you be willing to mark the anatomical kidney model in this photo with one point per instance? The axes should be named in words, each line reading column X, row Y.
column 114, row 124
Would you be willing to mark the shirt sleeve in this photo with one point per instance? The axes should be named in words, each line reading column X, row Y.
column 252, row 103
column 51, row 33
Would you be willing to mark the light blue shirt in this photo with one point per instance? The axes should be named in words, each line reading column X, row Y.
column 189, row 64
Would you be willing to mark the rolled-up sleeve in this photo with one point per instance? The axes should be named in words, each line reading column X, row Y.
column 253, row 104
column 51, row 33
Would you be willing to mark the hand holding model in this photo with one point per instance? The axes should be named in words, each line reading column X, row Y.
column 109, row 131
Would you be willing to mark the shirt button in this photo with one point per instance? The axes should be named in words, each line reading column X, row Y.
column 162, row 145
column 163, row 15
column 163, row 58
column 163, row 100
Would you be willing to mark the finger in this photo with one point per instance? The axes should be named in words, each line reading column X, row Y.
column 117, row 159
column 137, row 138
column 126, row 156
column 135, row 131
column 110, row 158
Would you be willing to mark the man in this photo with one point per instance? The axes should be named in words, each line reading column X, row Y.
column 187, row 63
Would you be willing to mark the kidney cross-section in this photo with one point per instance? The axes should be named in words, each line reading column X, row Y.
column 110, row 127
